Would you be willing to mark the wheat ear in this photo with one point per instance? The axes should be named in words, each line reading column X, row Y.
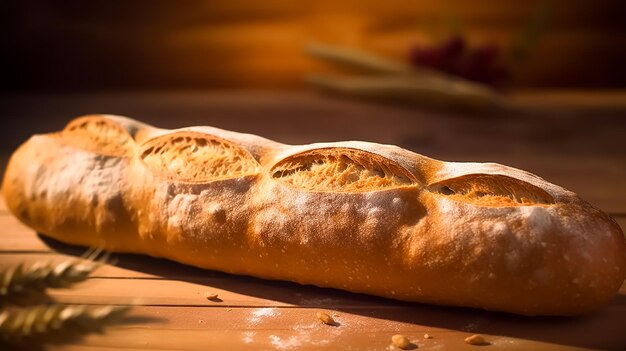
column 19, row 282
column 55, row 322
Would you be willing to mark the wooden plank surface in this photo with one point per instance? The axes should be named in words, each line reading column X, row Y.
column 171, row 312
column 370, row 329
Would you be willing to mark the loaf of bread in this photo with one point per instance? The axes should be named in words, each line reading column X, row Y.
column 358, row 216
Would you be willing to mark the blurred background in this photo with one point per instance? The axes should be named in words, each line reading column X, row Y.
column 539, row 85
column 195, row 44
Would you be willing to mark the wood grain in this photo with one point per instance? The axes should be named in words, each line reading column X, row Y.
column 190, row 328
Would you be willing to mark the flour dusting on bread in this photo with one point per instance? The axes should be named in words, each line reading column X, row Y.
column 365, row 217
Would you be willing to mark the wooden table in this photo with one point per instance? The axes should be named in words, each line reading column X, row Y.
column 580, row 148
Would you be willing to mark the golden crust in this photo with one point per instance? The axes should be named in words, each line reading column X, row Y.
column 357, row 216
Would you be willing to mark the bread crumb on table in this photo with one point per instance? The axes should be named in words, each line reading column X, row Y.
column 325, row 318
column 210, row 296
column 400, row 341
column 476, row 340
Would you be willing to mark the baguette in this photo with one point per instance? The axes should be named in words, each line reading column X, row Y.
column 357, row 216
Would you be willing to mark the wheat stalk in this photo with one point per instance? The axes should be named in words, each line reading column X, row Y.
column 20, row 282
column 54, row 322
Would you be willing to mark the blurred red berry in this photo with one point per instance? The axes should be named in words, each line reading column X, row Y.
column 453, row 47
column 486, row 53
column 426, row 57
column 452, row 56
